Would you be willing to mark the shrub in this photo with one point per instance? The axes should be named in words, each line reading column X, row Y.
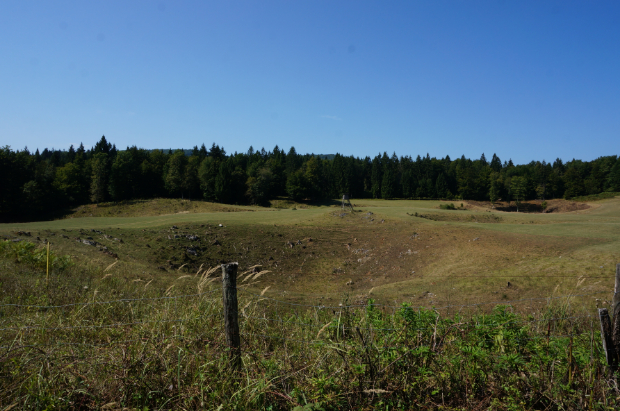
column 26, row 252
column 447, row 206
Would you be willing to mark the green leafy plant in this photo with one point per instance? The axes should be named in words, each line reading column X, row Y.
column 25, row 252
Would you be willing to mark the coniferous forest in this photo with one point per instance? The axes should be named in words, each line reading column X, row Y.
column 33, row 185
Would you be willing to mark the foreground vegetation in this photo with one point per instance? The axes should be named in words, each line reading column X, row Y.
column 93, row 338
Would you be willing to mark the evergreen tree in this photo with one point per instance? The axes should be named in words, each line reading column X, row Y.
column 292, row 161
column 202, row 153
column 494, row 188
column 613, row 179
column 123, row 174
column 99, row 177
column 71, row 154
column 174, row 180
column 376, row 177
column 102, row 146
column 388, row 182
column 483, row 160
column 518, row 187
column 224, row 183
column 442, row 187
column 207, row 173
column 297, row 186
column 496, row 163
column 191, row 181
column 573, row 183
column 259, row 185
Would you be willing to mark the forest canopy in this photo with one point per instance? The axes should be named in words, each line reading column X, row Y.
column 32, row 184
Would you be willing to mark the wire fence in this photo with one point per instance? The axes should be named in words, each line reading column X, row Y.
column 281, row 318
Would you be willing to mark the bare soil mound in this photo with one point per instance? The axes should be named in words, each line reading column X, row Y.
column 533, row 206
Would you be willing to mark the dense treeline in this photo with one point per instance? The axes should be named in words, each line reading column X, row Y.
column 35, row 183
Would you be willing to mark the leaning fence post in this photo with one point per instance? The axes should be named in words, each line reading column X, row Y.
column 231, row 318
column 608, row 345
column 616, row 312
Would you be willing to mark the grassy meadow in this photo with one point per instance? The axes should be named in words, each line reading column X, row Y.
column 397, row 305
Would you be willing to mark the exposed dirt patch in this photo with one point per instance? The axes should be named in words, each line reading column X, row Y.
column 533, row 206
column 461, row 217
column 155, row 207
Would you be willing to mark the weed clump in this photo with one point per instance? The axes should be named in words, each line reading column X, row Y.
column 25, row 252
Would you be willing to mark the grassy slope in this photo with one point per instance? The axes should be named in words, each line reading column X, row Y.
column 352, row 256
column 539, row 254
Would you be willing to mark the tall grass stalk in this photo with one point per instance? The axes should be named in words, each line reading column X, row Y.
column 135, row 347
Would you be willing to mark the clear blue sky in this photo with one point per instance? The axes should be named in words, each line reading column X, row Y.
column 524, row 79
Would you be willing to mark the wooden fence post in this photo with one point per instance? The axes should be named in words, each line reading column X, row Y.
column 616, row 312
column 608, row 345
column 231, row 318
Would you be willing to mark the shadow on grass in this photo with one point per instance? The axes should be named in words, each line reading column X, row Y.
column 285, row 202
column 28, row 217
column 523, row 208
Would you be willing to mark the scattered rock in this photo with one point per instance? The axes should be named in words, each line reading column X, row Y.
column 289, row 244
column 350, row 282
column 298, row 242
column 192, row 251
column 111, row 254
column 24, row 233
column 174, row 227
column 193, row 238
column 509, row 285
column 216, row 242
column 221, row 225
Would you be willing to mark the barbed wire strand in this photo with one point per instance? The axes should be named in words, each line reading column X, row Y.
column 436, row 308
column 124, row 300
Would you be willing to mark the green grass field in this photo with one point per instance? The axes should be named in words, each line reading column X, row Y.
column 501, row 315
column 397, row 259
